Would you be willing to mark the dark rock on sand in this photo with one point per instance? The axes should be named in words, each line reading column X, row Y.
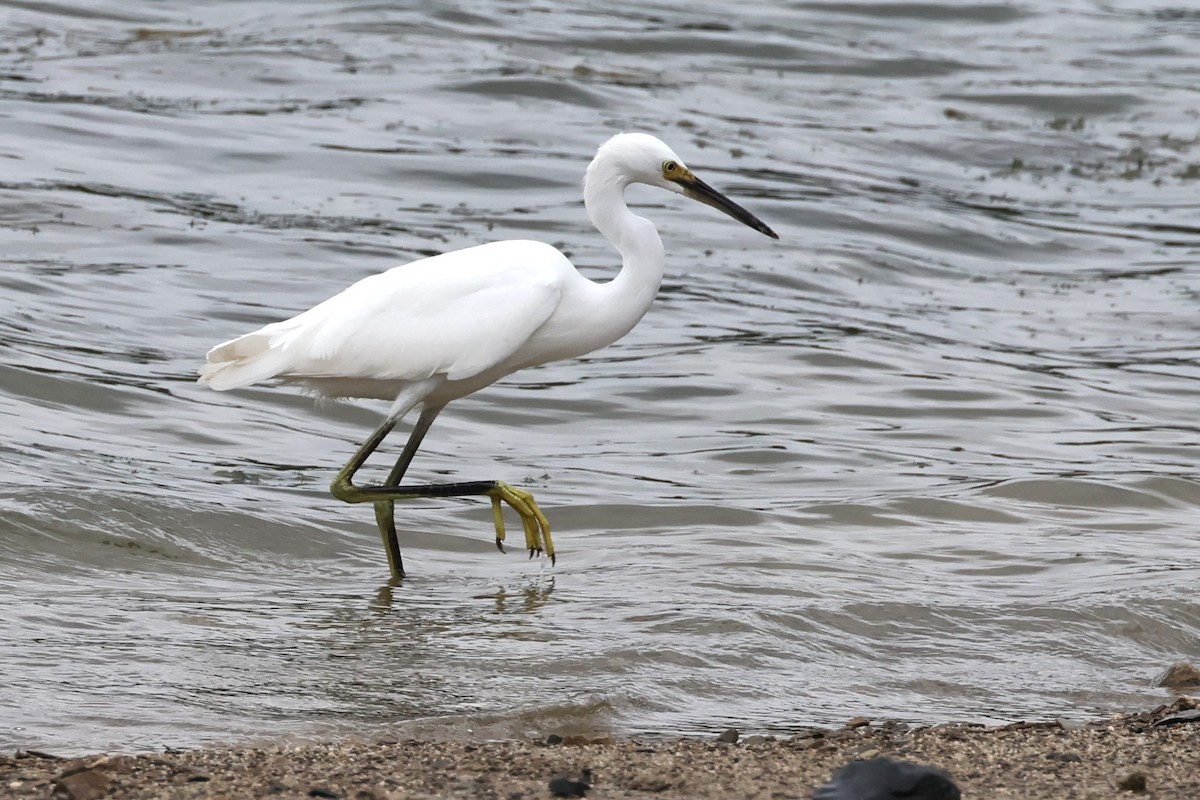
column 729, row 736
column 1176, row 719
column 85, row 784
column 37, row 754
column 1133, row 782
column 1179, row 676
column 563, row 786
column 884, row 779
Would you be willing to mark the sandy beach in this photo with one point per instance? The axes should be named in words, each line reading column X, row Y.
column 1150, row 754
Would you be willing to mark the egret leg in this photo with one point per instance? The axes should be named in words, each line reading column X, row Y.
column 385, row 510
column 537, row 527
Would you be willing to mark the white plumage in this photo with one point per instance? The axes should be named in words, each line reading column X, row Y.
column 454, row 316
column 440, row 328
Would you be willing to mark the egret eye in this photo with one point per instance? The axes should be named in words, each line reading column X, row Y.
column 670, row 168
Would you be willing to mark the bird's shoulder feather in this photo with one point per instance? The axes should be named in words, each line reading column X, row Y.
column 456, row 314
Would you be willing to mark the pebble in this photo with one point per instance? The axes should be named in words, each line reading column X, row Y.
column 85, row 784
column 652, row 782
column 882, row 778
column 1182, row 716
column 1181, row 675
column 563, row 786
column 729, row 736
column 1133, row 782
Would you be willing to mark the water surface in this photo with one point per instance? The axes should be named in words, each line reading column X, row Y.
column 931, row 456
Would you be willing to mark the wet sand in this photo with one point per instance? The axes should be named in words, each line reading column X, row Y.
column 1151, row 754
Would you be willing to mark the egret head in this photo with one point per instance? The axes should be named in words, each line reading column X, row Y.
column 642, row 158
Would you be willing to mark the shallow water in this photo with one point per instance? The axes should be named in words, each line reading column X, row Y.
column 931, row 456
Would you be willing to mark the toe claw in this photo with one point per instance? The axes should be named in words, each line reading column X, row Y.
column 537, row 528
column 500, row 544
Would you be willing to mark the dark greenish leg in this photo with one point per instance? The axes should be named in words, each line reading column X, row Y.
column 537, row 528
column 385, row 515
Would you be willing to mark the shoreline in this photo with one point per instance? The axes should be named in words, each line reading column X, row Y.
column 1151, row 754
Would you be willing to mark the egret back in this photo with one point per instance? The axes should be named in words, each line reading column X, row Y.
column 454, row 315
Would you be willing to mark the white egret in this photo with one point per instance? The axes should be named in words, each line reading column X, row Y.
column 431, row 331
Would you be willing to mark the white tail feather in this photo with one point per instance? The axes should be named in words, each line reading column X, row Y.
column 245, row 360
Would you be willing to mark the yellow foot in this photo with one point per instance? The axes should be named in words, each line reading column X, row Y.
column 537, row 527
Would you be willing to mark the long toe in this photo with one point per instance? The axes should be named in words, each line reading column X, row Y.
column 537, row 527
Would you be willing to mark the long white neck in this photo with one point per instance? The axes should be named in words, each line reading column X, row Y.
column 628, row 295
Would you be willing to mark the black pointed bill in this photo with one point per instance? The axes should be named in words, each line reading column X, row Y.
column 697, row 189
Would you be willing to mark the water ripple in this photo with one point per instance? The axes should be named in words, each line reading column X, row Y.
column 931, row 456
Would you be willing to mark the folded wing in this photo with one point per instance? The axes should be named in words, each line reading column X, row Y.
column 454, row 315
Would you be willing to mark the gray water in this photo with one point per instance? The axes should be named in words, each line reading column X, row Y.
column 931, row 456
